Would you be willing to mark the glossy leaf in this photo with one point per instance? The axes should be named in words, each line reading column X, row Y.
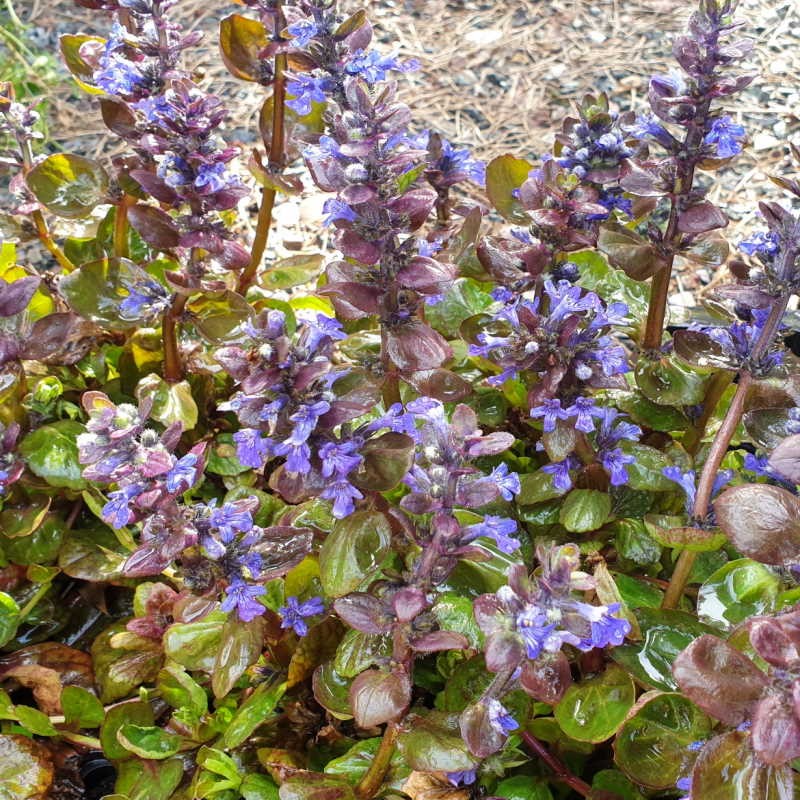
column 68, row 185
column 652, row 746
column 594, row 709
column 736, row 591
column 719, row 679
column 762, row 522
column 727, row 769
column 353, row 552
column 51, row 452
column 504, row 174
column 26, row 771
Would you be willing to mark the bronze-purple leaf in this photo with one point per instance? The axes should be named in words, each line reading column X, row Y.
column 719, row 679
column 155, row 226
column 776, row 731
column 363, row 612
column 762, row 522
column 377, row 696
column 414, row 346
column 700, row 218
column 785, row 459
column 547, row 678
column 15, row 296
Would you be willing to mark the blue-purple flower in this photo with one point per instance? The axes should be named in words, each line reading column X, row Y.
column 725, row 138
column 241, row 597
column 294, row 614
column 500, row 718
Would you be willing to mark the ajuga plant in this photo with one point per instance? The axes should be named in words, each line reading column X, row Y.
column 450, row 509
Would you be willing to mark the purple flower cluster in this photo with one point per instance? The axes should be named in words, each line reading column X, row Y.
column 288, row 406
column 532, row 616
column 736, row 343
column 119, row 450
column 611, row 430
column 173, row 127
column 443, row 475
column 593, row 146
column 294, row 614
column 562, row 337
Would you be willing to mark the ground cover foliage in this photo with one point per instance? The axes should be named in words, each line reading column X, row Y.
column 448, row 513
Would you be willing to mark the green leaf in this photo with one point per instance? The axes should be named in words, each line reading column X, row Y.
column 523, row 787
column 635, row 543
column 666, row 633
column 134, row 712
column 594, row 709
column 149, row 779
column 652, row 746
column 584, row 510
column 465, row 685
column 82, row 707
column 331, row 691
column 727, row 769
column 433, row 743
column 194, row 645
column 287, row 273
column 68, row 185
column 241, row 645
column 9, row 618
column 611, row 284
column 645, row 473
column 26, row 771
column 256, row 710
column 453, row 612
column 39, row 547
column 504, row 174
column 218, row 315
column 463, row 299
column 614, row 782
column 316, row 787
column 738, row 590
column 355, row 762
column 258, row 787
column 222, row 458
column 148, row 741
column 353, row 552
column 670, row 383
column 172, row 402
column 119, row 672
column 96, row 289
column 181, row 690
column 35, row 721
column 51, row 452
column 536, row 487
column 94, row 554
column 672, row 531
column 358, row 651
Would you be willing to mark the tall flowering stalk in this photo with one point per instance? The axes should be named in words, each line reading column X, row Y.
column 705, row 139
column 178, row 156
column 762, row 295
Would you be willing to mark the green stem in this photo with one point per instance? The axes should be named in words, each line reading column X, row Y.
column 722, row 440
column 12, row 15
column 372, row 781
column 716, row 388
column 31, row 604
column 275, row 162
